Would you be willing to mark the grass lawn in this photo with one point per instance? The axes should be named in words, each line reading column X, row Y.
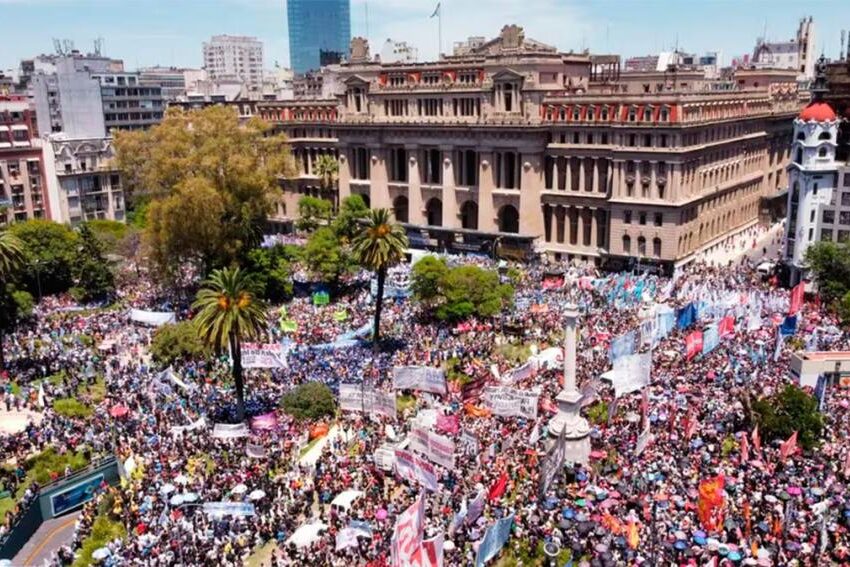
column 306, row 448
column 104, row 530
column 515, row 353
column 261, row 557
column 511, row 558
column 6, row 504
column 404, row 402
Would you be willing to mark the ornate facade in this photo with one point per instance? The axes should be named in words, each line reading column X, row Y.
column 517, row 142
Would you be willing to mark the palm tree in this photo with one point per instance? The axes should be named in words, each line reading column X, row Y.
column 229, row 311
column 11, row 260
column 379, row 246
column 327, row 168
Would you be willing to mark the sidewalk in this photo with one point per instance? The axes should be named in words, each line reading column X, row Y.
column 49, row 537
column 312, row 456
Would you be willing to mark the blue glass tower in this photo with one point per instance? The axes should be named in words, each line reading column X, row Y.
column 319, row 32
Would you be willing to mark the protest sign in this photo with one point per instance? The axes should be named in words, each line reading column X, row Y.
column 255, row 355
column 354, row 397
column 553, row 462
column 230, row 431
column 510, row 402
column 152, row 318
column 495, row 538
column 438, row 449
column 425, row 378
column 410, row 467
column 219, row 509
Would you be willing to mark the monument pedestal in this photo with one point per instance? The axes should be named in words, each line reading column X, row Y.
column 576, row 429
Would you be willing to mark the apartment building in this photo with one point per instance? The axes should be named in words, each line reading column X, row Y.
column 235, row 57
column 511, row 144
column 83, row 181
column 22, row 177
column 127, row 104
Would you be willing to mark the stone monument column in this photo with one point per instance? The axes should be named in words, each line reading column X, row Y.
column 577, row 430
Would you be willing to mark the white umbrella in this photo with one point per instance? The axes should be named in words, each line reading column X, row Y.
column 256, row 495
column 448, row 545
column 167, row 488
column 306, row 535
column 177, row 500
column 346, row 498
column 101, row 554
column 240, row 489
column 181, row 479
column 190, row 497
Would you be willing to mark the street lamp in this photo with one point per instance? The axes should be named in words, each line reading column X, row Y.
column 37, row 264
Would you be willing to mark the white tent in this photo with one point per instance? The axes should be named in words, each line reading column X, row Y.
column 307, row 535
column 346, row 498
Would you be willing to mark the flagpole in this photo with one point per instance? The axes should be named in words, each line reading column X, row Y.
column 439, row 31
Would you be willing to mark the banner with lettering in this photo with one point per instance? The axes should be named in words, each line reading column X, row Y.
column 354, row 397
column 710, row 338
column 494, row 540
column 256, row 355
column 425, row 378
column 152, row 318
column 416, row 469
column 510, row 402
column 519, row 373
column 631, row 373
column 552, row 463
column 438, row 448
column 693, row 344
column 230, row 431
column 621, row 346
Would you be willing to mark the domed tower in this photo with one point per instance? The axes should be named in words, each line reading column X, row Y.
column 812, row 177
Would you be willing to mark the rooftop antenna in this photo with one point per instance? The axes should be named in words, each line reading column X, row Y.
column 67, row 46
column 98, row 46
column 841, row 51
column 57, row 46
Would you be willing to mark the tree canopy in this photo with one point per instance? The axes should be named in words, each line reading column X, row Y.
column 92, row 272
column 50, row 252
column 178, row 341
column 351, row 212
column 312, row 400
column 325, row 257
column 209, row 182
column 788, row 411
column 459, row 292
column 312, row 211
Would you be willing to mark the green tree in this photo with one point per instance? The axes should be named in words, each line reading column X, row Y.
column 11, row 309
column 209, row 181
column 312, row 400
column 180, row 341
column 325, row 257
column 312, row 211
column 50, row 250
column 427, row 277
column 470, row 290
column 11, row 255
column 327, row 168
column 229, row 311
column 352, row 211
column 92, row 271
column 789, row 410
column 109, row 234
column 271, row 269
column 829, row 263
column 15, row 306
column 379, row 246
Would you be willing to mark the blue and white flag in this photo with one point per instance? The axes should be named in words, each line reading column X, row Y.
column 780, row 338
column 820, row 391
column 495, row 538
column 710, row 339
column 622, row 346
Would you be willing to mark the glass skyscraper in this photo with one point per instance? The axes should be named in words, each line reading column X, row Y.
column 319, row 32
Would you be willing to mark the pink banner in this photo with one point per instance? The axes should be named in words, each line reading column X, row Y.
column 265, row 421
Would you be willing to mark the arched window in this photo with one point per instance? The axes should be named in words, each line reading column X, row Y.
column 801, row 136
column 627, row 244
column 656, row 247
column 508, row 219
column 641, row 246
column 821, row 152
column 400, row 208
column 798, row 158
column 825, row 136
column 434, row 211
column 469, row 215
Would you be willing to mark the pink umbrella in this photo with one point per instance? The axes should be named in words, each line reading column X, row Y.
column 119, row 410
column 597, row 454
column 381, row 514
column 607, row 503
column 794, row 490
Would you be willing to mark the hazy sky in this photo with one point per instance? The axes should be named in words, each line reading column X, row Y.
column 170, row 32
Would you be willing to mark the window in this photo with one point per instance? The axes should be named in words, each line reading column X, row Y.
column 845, row 199
column 826, row 234
column 656, row 247
column 801, row 136
column 627, row 217
column 664, row 114
column 430, row 107
column 576, row 113
column 575, row 137
column 825, row 136
column 812, row 216
column 821, row 152
column 605, row 141
column 798, row 158
column 641, row 246
column 811, row 234
column 659, row 219
column 632, row 115
column 642, row 218
column 829, row 217
column 844, row 218
column 627, row 244
column 647, row 115
column 843, row 235
column 604, row 114
column 663, row 140
column 647, row 140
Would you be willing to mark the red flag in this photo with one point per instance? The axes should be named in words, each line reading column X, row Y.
column 726, row 326
column 797, row 298
column 789, row 446
column 499, row 487
column 745, row 449
column 691, row 427
column 756, row 439
column 693, row 344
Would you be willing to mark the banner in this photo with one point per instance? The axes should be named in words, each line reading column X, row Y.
column 693, row 344
column 255, row 451
column 519, row 373
column 265, row 421
column 152, row 318
column 425, row 378
column 410, row 467
column 621, row 346
column 228, row 508
column 686, row 316
column 710, row 338
column 797, row 298
column 552, row 463
column 354, row 397
column 548, row 359
column 496, row 537
column 438, row 449
column 230, row 431
column 510, row 402
column 407, row 534
column 255, row 355
column 726, row 326
column 169, row 375
column 642, row 441
column 469, row 444
column 789, row 325
column 630, row 373
column 199, row 423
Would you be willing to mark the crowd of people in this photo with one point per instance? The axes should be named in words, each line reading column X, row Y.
column 626, row 506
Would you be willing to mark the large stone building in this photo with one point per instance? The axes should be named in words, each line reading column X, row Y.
column 511, row 143
column 23, row 193
column 235, row 58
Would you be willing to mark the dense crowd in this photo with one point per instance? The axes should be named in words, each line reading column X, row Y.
column 625, row 507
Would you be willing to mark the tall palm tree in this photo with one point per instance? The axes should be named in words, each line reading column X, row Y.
column 11, row 260
column 229, row 311
column 327, row 169
column 379, row 246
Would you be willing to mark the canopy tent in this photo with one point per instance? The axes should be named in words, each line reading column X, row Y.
column 306, row 535
column 346, row 498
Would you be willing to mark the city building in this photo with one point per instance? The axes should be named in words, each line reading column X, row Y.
column 127, row 104
column 398, row 52
column 233, row 57
column 22, row 179
column 174, row 82
column 83, row 181
column 319, row 32
column 797, row 53
column 511, row 144
column 817, row 209
column 67, row 97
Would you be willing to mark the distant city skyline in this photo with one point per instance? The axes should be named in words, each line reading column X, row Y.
column 164, row 32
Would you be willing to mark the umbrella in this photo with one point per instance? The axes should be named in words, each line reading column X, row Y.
column 256, row 495
column 181, row 479
column 306, row 535
column 101, row 553
column 448, row 545
column 240, row 489
column 119, row 410
column 381, row 514
column 597, row 454
column 190, row 497
column 167, row 488
column 177, row 500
